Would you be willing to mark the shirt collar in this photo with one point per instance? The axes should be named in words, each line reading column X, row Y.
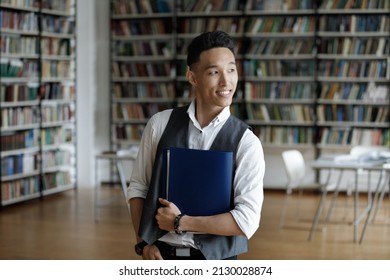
column 221, row 117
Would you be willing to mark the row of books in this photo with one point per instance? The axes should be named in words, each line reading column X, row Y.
column 29, row 162
column 141, row 27
column 355, row 91
column 144, row 90
column 19, row 45
column 29, row 92
column 354, row 23
column 19, row 164
column 58, row 25
column 282, row 46
column 53, row 112
column 128, row 132
column 287, row 24
column 281, row 112
column 20, row 188
column 155, row 48
column 21, row 3
column 353, row 69
column 207, row 6
column 58, row 5
column 136, row 111
column 56, row 46
column 18, row 92
column 65, row 90
column 58, row 69
column 279, row 90
column 277, row 5
column 354, row 136
column 56, row 136
column 353, row 113
column 284, row 135
column 19, row 140
column 276, row 68
column 56, row 179
column 125, row 7
column 231, row 25
column 19, row 116
column 56, row 158
column 19, row 21
column 14, row 68
column 148, row 69
column 355, row 46
column 354, row 4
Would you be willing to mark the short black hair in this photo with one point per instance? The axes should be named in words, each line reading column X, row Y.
column 206, row 41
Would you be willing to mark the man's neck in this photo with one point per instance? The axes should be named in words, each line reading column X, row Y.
column 204, row 115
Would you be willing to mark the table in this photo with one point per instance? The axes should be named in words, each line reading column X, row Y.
column 380, row 189
column 321, row 164
column 118, row 157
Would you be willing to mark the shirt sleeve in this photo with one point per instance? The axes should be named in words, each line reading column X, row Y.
column 248, row 184
column 143, row 165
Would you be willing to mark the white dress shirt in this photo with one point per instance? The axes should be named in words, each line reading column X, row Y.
column 248, row 181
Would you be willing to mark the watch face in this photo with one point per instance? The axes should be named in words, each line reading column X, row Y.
column 139, row 248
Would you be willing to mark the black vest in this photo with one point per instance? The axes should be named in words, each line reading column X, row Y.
column 176, row 135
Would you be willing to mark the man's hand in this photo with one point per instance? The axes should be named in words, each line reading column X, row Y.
column 151, row 252
column 166, row 215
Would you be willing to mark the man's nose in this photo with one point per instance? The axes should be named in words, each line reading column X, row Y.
column 223, row 79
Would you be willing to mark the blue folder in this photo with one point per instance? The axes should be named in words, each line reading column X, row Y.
column 198, row 182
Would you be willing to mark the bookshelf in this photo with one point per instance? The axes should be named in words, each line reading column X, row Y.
column 353, row 78
column 305, row 81
column 280, row 72
column 142, row 62
column 38, row 98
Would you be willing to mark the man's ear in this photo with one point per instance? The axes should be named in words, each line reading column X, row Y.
column 191, row 77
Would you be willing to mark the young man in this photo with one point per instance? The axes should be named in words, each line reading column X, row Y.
column 163, row 232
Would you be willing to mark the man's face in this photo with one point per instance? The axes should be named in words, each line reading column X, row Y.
column 215, row 78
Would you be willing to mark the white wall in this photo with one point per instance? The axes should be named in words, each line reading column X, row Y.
column 92, row 86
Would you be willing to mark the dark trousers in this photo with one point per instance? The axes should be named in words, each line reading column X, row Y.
column 169, row 252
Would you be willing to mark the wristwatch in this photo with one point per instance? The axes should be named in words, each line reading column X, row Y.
column 139, row 248
column 176, row 224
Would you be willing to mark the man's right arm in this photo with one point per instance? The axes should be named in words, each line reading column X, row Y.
column 150, row 252
column 136, row 205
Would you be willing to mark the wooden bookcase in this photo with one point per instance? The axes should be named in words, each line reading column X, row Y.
column 38, row 98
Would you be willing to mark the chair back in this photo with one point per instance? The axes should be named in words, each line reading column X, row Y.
column 294, row 164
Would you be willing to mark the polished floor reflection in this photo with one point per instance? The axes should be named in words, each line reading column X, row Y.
column 63, row 226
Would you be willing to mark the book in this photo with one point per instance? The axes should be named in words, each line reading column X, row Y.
column 198, row 182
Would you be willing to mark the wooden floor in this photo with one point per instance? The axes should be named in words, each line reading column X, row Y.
column 63, row 226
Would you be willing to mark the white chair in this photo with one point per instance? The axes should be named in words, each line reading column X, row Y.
column 295, row 167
